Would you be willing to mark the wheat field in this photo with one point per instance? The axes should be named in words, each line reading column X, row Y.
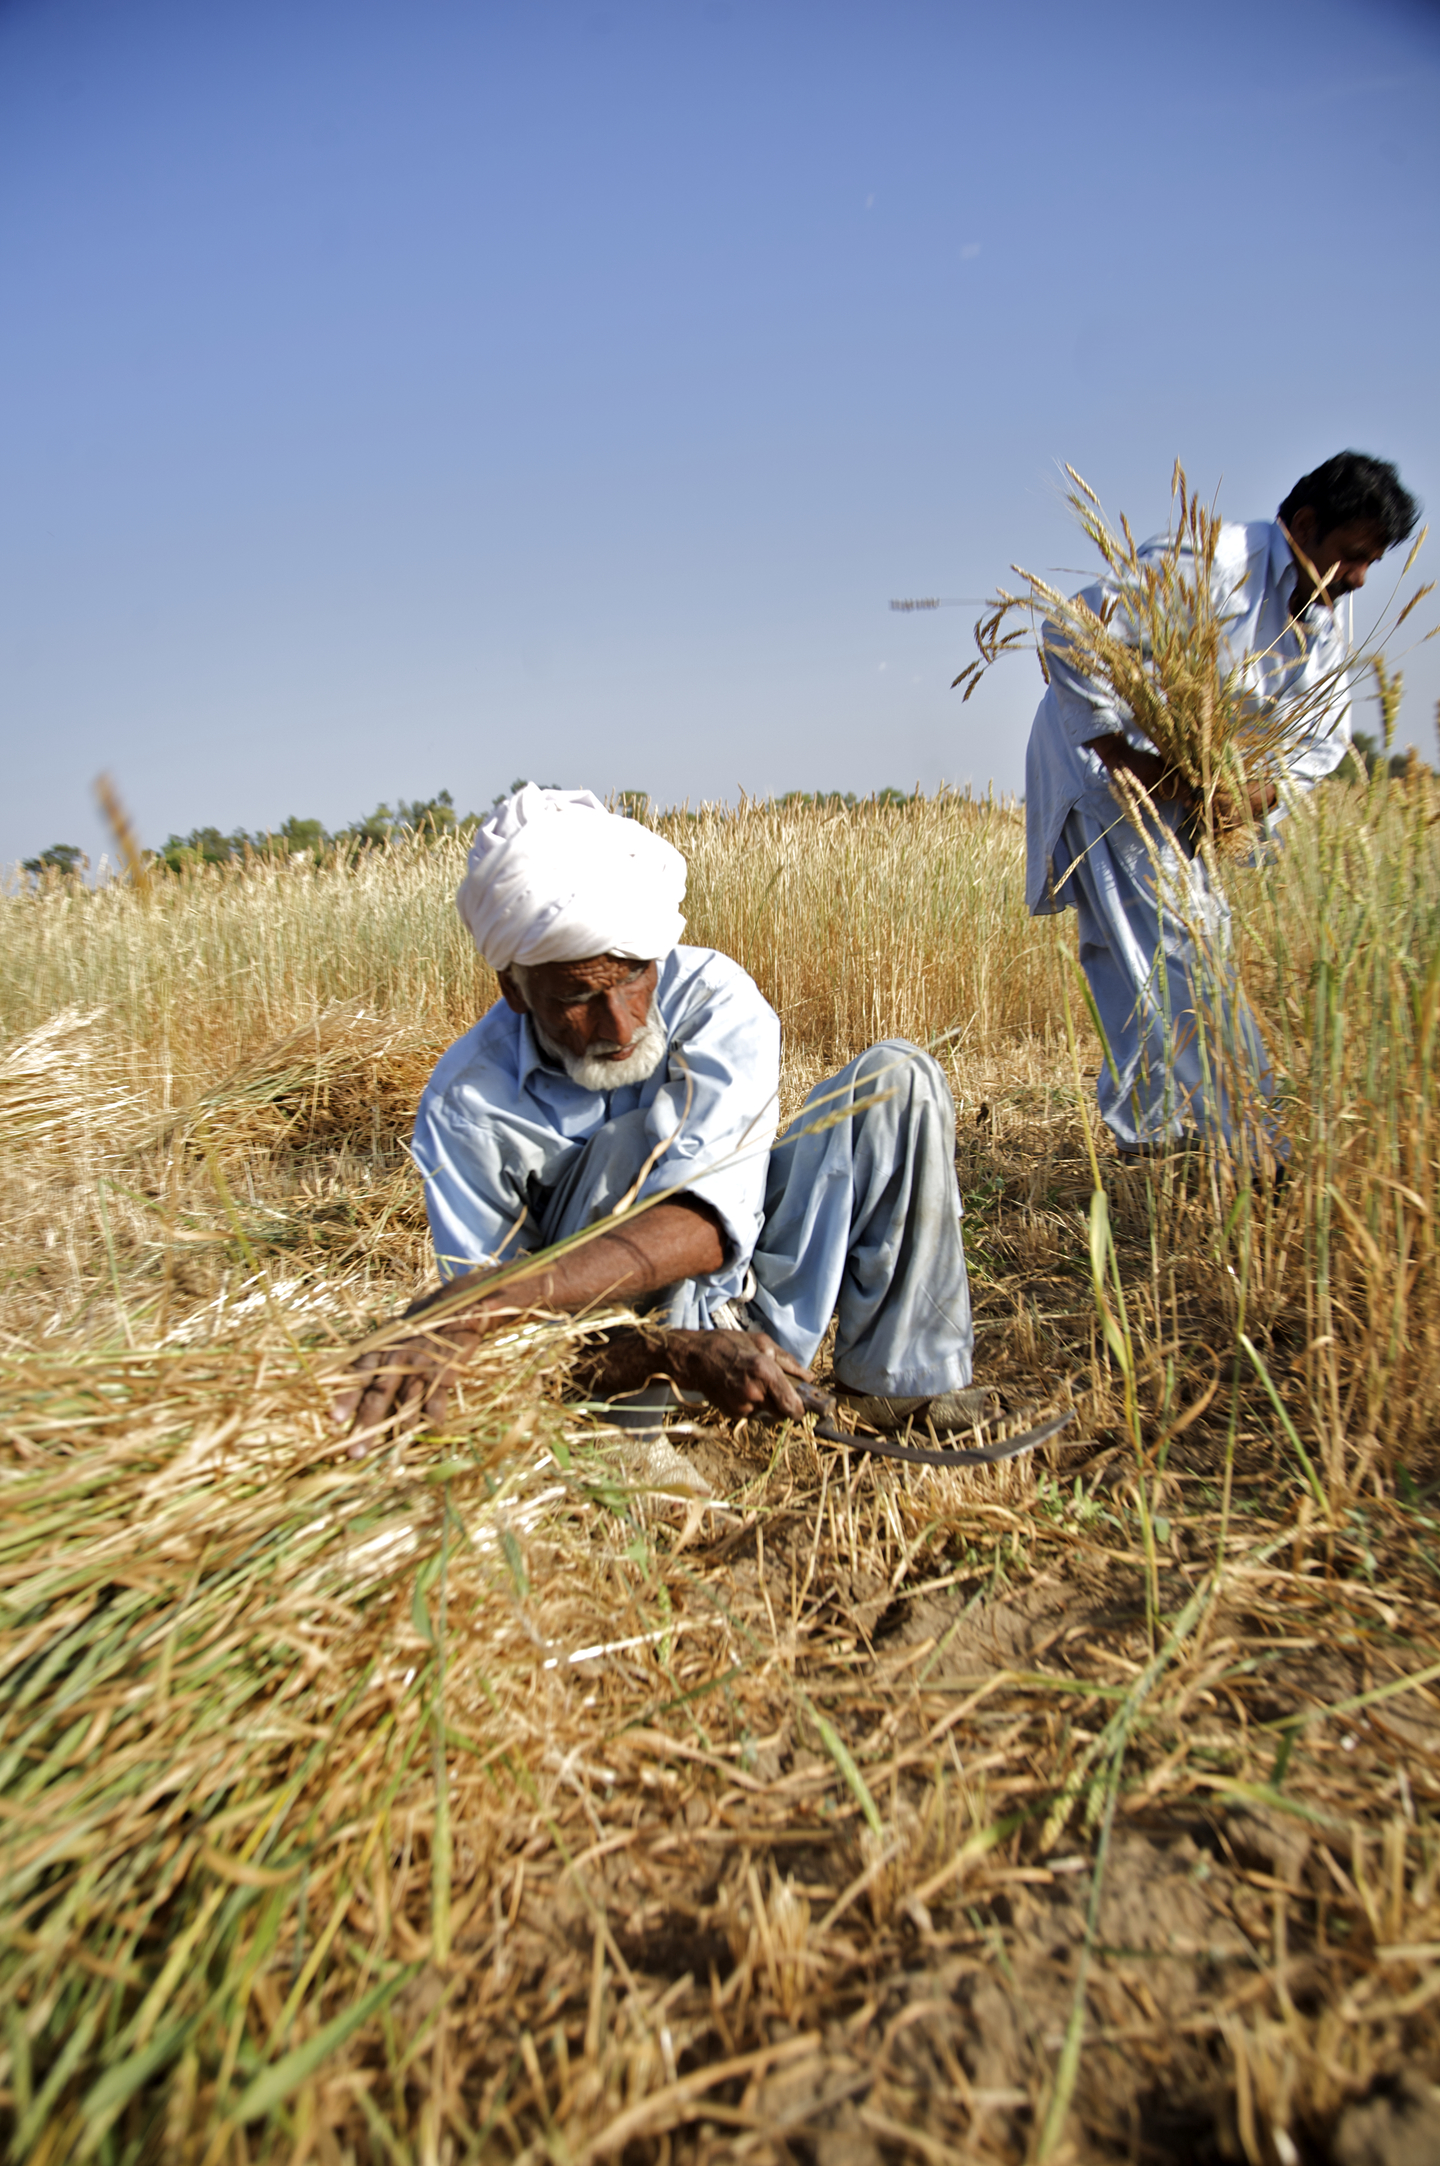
column 482, row 1803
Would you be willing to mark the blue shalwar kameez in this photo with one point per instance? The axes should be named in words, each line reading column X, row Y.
column 854, row 1213
column 1154, row 928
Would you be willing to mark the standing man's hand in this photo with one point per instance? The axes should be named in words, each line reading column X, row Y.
column 1259, row 798
column 1117, row 755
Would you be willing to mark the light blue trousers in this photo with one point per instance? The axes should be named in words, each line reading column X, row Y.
column 862, row 1223
column 1186, row 1054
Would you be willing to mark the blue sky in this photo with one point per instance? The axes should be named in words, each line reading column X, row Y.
column 396, row 397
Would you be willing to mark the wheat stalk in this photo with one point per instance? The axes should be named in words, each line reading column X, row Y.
column 1157, row 648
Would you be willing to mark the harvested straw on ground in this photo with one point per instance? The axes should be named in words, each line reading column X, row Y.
column 53, row 1079
column 472, row 1803
column 439, row 1804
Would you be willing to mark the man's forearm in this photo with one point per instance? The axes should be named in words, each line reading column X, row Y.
column 670, row 1242
column 741, row 1372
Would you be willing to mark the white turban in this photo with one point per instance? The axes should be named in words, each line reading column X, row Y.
column 554, row 878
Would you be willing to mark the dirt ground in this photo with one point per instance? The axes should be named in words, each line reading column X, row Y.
column 835, row 1995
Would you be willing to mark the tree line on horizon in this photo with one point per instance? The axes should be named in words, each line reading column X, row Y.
column 424, row 819
column 418, row 819
column 411, row 819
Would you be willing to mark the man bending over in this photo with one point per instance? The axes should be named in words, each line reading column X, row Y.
column 1154, row 929
column 620, row 1066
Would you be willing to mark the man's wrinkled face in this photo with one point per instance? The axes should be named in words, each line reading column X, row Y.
column 594, row 1014
column 1351, row 550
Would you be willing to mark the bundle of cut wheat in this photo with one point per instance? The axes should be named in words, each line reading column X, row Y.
column 1157, row 648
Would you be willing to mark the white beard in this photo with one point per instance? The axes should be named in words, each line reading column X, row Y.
column 647, row 1049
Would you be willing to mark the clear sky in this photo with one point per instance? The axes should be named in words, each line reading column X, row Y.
column 406, row 394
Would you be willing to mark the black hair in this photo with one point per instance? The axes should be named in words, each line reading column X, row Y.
column 1354, row 486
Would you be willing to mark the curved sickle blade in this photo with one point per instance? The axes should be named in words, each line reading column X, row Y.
column 982, row 1455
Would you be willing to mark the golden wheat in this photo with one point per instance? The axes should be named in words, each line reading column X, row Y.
column 473, row 1803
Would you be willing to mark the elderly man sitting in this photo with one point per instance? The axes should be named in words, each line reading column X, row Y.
column 620, row 1066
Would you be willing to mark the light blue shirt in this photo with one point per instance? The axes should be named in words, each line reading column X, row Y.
column 1253, row 579
column 500, row 1123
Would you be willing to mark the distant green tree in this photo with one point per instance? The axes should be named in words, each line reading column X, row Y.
column 203, row 846
column 375, row 829
column 433, row 816
column 301, row 838
column 61, row 857
column 843, row 800
column 430, row 817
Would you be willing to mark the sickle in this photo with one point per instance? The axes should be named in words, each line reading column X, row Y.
column 983, row 1455
column 822, row 1403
